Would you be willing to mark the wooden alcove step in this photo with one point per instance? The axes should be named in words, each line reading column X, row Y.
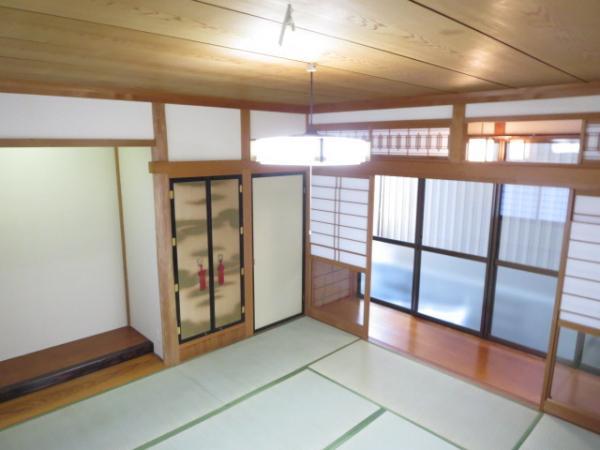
column 35, row 371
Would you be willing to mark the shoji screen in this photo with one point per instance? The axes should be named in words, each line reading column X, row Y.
column 581, row 291
column 573, row 383
column 339, row 219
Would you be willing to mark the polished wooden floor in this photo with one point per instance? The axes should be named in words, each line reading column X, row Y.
column 49, row 399
column 494, row 366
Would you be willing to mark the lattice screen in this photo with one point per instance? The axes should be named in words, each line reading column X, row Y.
column 591, row 150
column 401, row 141
column 581, row 291
column 339, row 219
column 411, row 142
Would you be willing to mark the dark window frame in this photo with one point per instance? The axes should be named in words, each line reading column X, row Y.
column 491, row 260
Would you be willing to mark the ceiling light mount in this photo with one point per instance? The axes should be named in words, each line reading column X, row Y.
column 310, row 148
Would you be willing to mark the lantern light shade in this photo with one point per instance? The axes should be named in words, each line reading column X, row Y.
column 310, row 150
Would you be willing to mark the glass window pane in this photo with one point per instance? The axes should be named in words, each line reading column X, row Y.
column 335, row 292
column 576, row 383
column 192, row 257
column 392, row 273
column 561, row 151
column 523, row 307
column 395, row 206
column 533, row 219
column 457, row 216
column 225, row 207
column 451, row 289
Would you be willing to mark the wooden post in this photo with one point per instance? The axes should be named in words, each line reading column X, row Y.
column 458, row 134
column 162, row 209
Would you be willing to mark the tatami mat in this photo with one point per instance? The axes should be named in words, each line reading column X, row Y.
column 143, row 410
column 459, row 411
column 554, row 434
column 390, row 432
column 305, row 411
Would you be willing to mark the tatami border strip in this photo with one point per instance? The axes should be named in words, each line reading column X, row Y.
column 238, row 400
column 355, row 429
column 387, row 409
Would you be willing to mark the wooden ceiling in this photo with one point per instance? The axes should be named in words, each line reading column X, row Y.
column 366, row 50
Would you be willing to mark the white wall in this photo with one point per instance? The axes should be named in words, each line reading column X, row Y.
column 542, row 106
column 374, row 115
column 39, row 116
column 61, row 269
column 200, row 133
column 140, row 239
column 269, row 124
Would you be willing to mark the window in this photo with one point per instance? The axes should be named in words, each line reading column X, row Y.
column 592, row 142
column 478, row 256
column 457, row 216
column 533, row 219
column 451, row 289
column 540, row 141
column 392, row 273
column 411, row 142
column 427, row 142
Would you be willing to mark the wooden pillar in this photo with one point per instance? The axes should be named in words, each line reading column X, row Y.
column 162, row 209
column 458, row 134
column 247, row 212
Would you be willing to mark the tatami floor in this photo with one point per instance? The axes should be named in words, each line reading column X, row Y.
column 303, row 385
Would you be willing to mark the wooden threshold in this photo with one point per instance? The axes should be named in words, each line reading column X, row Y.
column 35, row 371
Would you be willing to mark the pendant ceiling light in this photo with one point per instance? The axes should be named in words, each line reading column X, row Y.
column 311, row 149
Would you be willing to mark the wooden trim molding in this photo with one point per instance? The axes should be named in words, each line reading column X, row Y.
column 77, row 142
column 573, row 176
column 248, row 251
column 421, row 123
column 554, row 329
column 212, row 342
column 578, row 327
column 162, row 210
column 122, row 231
column 569, row 414
column 30, row 87
column 497, row 95
column 245, row 128
column 184, row 169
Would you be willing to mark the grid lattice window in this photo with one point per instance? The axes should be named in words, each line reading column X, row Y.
column 592, row 142
column 339, row 219
column 411, row 142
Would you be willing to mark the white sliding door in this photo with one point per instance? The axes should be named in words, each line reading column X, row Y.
column 278, row 218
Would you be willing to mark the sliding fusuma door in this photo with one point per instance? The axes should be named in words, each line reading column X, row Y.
column 207, row 243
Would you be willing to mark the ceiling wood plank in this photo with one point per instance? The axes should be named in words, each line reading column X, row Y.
column 190, row 20
column 563, row 33
column 201, row 68
column 405, row 28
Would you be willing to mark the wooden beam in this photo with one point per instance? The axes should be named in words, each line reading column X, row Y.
column 155, row 96
column 571, row 415
column 162, row 208
column 573, row 176
column 497, row 95
column 77, row 143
